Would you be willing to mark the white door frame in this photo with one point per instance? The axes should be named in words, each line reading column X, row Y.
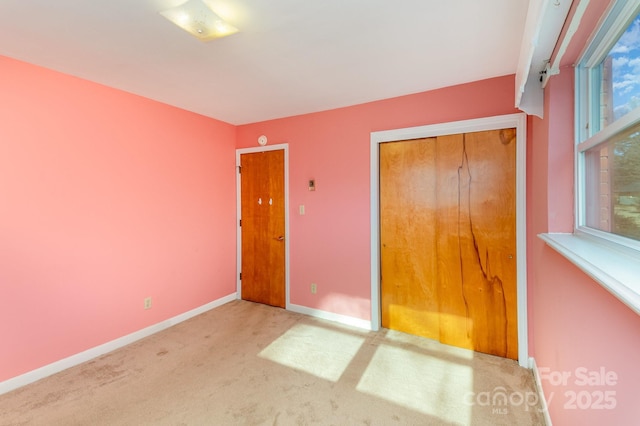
column 519, row 121
column 240, row 151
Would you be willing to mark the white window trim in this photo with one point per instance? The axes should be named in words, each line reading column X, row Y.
column 611, row 260
column 613, row 266
column 610, row 131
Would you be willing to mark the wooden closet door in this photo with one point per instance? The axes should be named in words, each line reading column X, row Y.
column 448, row 242
column 409, row 290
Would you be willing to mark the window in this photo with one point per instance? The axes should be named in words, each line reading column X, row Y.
column 608, row 129
column 606, row 241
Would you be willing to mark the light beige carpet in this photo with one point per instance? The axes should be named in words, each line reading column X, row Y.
column 250, row 364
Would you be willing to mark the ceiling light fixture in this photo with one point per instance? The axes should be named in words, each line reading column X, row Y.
column 197, row 18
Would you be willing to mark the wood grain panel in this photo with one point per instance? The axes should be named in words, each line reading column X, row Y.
column 489, row 246
column 448, row 242
column 263, row 226
column 456, row 325
column 476, row 241
column 409, row 296
column 276, row 226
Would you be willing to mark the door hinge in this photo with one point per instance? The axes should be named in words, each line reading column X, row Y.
column 239, row 169
column 240, row 276
column 240, row 222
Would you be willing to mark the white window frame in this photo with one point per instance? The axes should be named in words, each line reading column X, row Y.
column 587, row 95
column 611, row 260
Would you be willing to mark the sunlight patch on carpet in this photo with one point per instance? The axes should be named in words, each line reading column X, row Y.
column 323, row 352
column 419, row 381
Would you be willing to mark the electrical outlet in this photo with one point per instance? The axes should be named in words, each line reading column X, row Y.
column 314, row 288
column 147, row 303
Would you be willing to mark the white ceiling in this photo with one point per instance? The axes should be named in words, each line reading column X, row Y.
column 290, row 56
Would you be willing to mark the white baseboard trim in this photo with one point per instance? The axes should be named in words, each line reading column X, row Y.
column 536, row 374
column 89, row 354
column 342, row 319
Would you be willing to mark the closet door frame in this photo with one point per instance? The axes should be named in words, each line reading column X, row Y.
column 517, row 121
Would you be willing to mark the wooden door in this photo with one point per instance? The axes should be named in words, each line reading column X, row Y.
column 408, row 237
column 447, row 235
column 262, row 227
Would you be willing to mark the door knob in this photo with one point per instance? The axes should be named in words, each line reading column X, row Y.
column 280, row 238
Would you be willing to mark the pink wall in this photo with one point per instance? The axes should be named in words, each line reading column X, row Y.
column 330, row 244
column 106, row 198
column 576, row 327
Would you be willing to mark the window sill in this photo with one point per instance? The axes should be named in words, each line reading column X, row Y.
column 614, row 267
